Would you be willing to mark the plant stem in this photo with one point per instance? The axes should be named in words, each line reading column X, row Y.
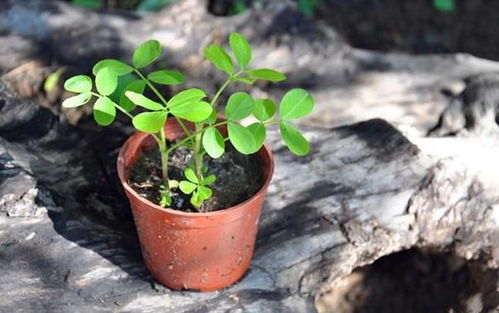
column 181, row 142
column 164, row 158
column 198, row 158
column 219, row 92
column 271, row 122
column 196, row 152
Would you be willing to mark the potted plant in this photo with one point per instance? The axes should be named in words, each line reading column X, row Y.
column 196, row 181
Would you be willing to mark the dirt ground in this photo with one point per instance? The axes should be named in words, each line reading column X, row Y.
column 410, row 26
column 415, row 26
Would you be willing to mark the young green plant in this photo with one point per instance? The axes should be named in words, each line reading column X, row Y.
column 118, row 86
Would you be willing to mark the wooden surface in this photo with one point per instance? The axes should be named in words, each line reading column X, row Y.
column 364, row 192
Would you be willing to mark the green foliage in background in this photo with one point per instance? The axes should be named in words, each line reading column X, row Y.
column 444, row 5
column 238, row 7
column 139, row 5
column 93, row 4
column 52, row 80
column 193, row 105
column 153, row 5
column 308, row 6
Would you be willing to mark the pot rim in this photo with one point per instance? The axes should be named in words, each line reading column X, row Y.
column 121, row 167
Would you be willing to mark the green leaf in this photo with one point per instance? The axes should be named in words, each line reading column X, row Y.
column 118, row 67
column 245, row 80
column 104, row 111
column 77, row 101
column 167, row 77
column 150, row 122
column 92, row 4
column 445, row 6
column 213, row 142
column 208, row 180
column 187, row 187
column 293, row 139
column 241, row 49
column 264, row 109
column 192, row 111
column 237, row 8
column 152, row 5
column 213, row 117
column 123, row 81
column 266, row 74
column 143, row 101
column 217, row 55
column 241, row 138
column 106, row 81
column 53, row 79
column 258, row 130
column 136, row 86
column 190, row 175
column 205, row 193
column 239, row 106
column 296, row 103
column 165, row 198
column 78, row 84
column 188, row 95
column 146, row 53
column 308, row 6
column 196, row 200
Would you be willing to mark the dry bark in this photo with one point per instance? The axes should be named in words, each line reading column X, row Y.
column 365, row 191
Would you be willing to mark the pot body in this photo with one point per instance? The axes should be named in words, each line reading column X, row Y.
column 199, row 251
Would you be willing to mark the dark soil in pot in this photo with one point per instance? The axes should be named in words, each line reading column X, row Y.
column 238, row 178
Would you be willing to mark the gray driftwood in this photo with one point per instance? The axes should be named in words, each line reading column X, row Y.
column 366, row 191
column 66, row 236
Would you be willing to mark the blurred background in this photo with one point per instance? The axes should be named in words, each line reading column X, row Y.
column 398, row 60
column 420, row 26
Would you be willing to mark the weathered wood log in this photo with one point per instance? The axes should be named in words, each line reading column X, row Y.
column 366, row 191
column 474, row 112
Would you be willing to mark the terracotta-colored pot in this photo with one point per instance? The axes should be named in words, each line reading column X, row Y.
column 199, row 251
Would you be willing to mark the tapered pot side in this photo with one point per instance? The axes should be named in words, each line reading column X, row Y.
column 199, row 251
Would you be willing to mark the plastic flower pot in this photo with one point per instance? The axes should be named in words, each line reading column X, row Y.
column 198, row 251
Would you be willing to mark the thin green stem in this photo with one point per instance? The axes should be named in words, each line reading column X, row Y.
column 197, row 137
column 198, row 158
column 222, row 88
column 164, row 158
column 158, row 140
column 271, row 122
column 219, row 92
column 183, row 141
column 156, row 91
